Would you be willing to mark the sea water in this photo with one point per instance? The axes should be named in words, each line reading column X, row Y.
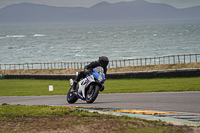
column 40, row 43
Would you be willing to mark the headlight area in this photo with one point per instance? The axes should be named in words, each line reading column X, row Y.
column 100, row 79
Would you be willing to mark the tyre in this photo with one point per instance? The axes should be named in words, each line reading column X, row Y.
column 71, row 97
column 92, row 93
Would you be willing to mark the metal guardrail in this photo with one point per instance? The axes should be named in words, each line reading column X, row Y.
column 171, row 59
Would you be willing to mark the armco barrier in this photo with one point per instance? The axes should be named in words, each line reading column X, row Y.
column 149, row 74
column 56, row 77
column 156, row 74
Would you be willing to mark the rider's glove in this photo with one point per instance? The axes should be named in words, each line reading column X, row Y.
column 87, row 71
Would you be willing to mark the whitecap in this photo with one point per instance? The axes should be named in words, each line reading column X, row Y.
column 38, row 35
column 80, row 55
column 1, row 37
column 14, row 36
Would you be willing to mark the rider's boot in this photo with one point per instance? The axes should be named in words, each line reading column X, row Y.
column 74, row 86
column 78, row 77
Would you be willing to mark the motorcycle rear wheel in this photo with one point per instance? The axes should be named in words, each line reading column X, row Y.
column 71, row 97
column 92, row 93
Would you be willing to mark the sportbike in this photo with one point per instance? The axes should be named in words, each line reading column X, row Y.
column 88, row 88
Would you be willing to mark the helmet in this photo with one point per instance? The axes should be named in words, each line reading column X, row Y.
column 103, row 60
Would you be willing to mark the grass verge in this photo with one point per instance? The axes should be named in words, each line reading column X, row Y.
column 17, row 87
column 152, row 85
column 19, row 118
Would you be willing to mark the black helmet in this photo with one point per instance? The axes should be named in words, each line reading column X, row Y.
column 103, row 60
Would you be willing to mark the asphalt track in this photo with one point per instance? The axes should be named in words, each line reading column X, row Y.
column 162, row 101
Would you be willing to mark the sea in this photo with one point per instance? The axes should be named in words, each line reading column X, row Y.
column 85, row 42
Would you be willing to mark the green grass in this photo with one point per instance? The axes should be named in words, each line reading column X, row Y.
column 17, row 87
column 152, row 85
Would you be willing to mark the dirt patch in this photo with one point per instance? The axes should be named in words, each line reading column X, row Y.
column 71, row 124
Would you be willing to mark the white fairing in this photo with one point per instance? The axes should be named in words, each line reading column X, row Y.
column 84, row 83
column 71, row 82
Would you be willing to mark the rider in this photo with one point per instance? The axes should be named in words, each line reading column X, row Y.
column 103, row 62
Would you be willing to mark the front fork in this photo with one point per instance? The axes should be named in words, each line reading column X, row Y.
column 71, row 82
column 90, row 89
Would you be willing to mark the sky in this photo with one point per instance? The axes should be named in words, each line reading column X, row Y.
column 89, row 3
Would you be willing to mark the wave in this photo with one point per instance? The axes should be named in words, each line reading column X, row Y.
column 11, row 36
column 19, row 36
column 38, row 35
column 15, row 36
column 79, row 55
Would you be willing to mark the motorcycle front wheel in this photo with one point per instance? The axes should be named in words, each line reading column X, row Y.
column 71, row 97
column 92, row 93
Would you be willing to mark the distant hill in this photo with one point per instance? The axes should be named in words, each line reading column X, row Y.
column 102, row 12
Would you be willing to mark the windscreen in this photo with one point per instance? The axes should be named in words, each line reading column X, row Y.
column 99, row 69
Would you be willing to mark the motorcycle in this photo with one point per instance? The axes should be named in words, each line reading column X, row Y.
column 88, row 88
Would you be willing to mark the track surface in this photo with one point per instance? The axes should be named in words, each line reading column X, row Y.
column 163, row 101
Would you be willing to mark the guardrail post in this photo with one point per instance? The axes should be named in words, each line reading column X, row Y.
column 184, row 58
column 178, row 59
column 196, row 57
column 150, row 61
column 168, row 59
column 164, row 60
column 112, row 65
